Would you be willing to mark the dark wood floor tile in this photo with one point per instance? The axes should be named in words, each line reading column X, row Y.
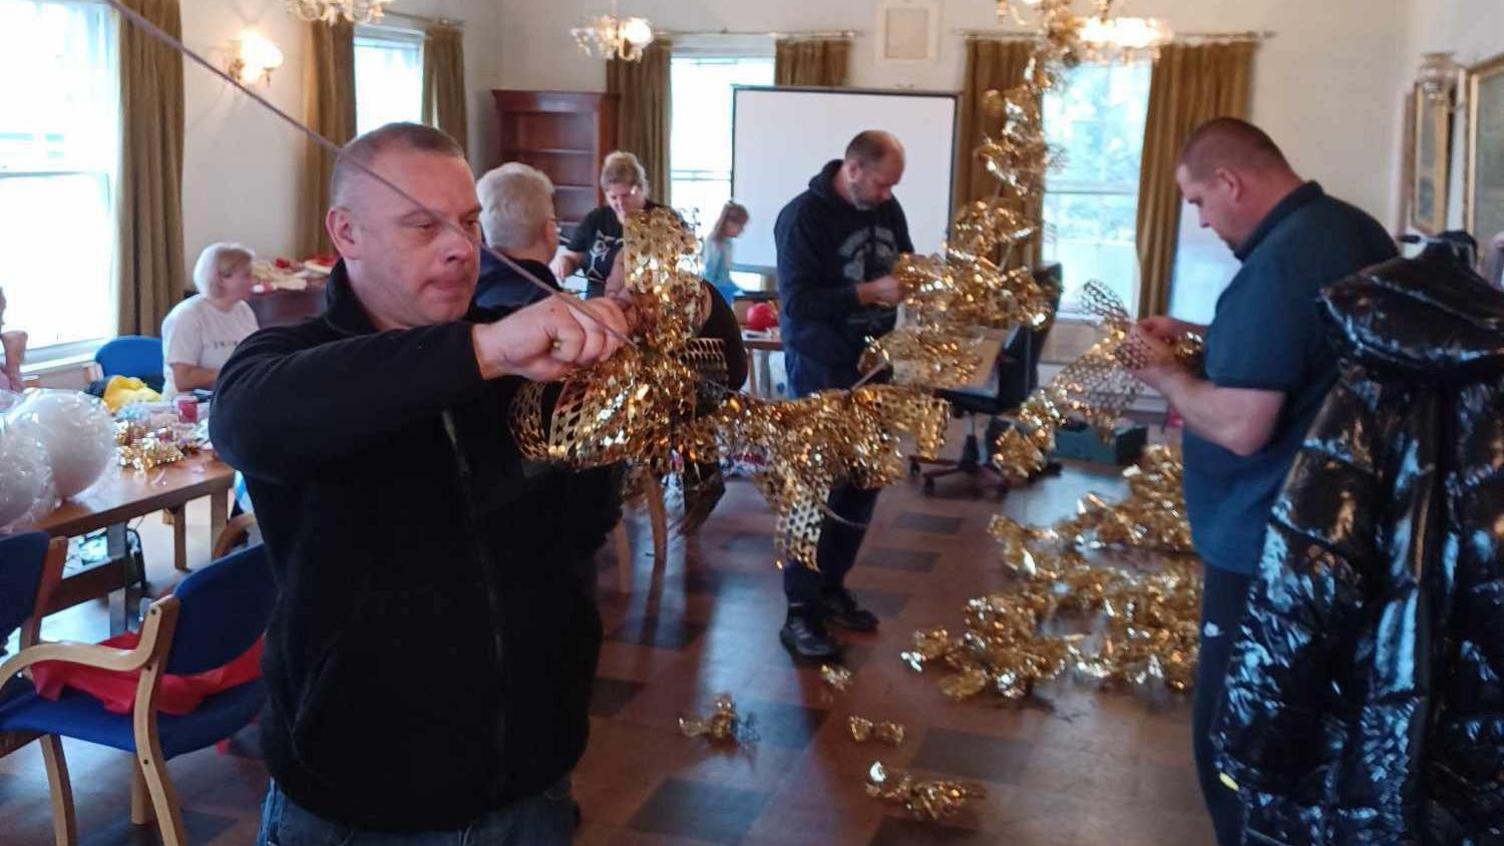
column 782, row 725
column 659, row 630
column 608, row 695
column 703, row 811
column 934, row 524
column 201, row 828
column 886, row 604
column 897, row 831
column 892, row 558
column 973, row 756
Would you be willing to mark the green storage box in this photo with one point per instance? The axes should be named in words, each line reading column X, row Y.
column 1084, row 444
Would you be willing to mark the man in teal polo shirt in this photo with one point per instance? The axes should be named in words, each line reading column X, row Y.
column 1268, row 366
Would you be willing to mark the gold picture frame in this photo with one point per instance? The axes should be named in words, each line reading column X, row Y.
column 1483, row 182
column 1430, row 161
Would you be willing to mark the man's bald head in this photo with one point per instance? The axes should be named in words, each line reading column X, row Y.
column 874, row 163
column 393, row 137
column 1229, row 143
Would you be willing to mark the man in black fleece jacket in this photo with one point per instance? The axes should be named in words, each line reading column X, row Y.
column 429, row 660
column 837, row 245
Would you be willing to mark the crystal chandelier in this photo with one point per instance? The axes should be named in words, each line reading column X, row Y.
column 613, row 37
column 333, row 11
column 1105, row 36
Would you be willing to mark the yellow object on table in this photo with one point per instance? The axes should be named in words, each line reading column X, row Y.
column 122, row 391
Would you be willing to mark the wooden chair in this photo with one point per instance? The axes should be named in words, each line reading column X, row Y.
column 31, row 565
column 213, row 617
column 652, row 496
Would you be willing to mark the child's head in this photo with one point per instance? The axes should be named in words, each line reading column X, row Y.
column 732, row 221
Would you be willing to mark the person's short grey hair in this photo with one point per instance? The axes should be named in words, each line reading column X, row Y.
column 515, row 200
column 362, row 151
column 623, row 168
column 217, row 261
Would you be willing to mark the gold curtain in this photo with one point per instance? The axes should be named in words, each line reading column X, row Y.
column 329, row 98
column 444, row 80
column 643, row 113
column 812, row 61
column 151, row 275
column 1191, row 84
column 990, row 65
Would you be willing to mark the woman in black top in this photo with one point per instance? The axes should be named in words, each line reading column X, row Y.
column 598, row 238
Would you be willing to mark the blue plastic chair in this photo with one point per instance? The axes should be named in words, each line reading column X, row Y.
column 130, row 355
column 31, row 565
column 213, row 617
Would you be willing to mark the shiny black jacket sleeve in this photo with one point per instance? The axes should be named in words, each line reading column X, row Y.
column 292, row 398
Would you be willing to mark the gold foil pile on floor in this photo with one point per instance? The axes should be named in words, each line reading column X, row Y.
column 863, row 730
column 925, row 799
column 1145, row 620
column 1097, row 388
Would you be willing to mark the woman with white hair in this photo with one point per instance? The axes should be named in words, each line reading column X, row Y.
column 517, row 218
column 598, row 238
column 199, row 333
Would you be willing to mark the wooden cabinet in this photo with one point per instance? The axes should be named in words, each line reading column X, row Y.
column 564, row 134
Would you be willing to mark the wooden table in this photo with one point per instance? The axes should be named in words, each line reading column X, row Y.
column 126, row 496
column 762, row 347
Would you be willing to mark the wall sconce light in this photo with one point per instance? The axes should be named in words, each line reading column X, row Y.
column 255, row 60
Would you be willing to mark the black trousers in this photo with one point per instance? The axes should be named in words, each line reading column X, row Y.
column 1221, row 612
column 840, row 540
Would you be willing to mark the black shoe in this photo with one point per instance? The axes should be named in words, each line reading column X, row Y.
column 841, row 610
column 804, row 635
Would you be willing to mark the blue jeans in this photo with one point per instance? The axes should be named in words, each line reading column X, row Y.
column 547, row 819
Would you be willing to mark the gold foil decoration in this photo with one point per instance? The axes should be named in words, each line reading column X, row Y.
column 144, row 448
column 1097, row 388
column 863, row 730
column 1145, row 621
column 924, row 799
column 810, row 445
column 721, row 725
column 836, row 676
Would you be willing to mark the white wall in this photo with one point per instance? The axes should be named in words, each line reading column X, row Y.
column 242, row 167
column 1327, row 87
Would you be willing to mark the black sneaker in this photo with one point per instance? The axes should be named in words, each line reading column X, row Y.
column 841, row 610
column 804, row 636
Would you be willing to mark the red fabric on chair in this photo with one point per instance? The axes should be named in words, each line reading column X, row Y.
column 177, row 695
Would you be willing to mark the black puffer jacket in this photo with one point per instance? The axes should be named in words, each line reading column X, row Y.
column 1365, row 696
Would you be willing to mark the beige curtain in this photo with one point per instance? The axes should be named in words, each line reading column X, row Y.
column 643, row 114
column 1191, row 85
column 444, row 80
column 990, row 65
column 329, row 109
column 820, row 62
column 151, row 274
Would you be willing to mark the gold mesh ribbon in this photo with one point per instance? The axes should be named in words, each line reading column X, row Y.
column 1097, row 387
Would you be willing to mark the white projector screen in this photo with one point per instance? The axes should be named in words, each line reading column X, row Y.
column 783, row 136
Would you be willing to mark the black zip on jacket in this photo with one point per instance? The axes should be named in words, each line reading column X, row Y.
column 430, row 655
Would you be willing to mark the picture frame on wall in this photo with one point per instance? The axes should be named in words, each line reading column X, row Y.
column 1429, row 159
column 1483, row 183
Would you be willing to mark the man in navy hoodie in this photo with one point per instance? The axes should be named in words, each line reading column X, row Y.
column 837, row 245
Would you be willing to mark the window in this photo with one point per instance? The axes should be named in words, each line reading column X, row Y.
column 59, row 150
column 388, row 77
column 1096, row 121
column 700, row 139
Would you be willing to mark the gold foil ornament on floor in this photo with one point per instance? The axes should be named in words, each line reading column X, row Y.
column 836, row 676
column 722, row 725
column 933, row 799
column 863, row 730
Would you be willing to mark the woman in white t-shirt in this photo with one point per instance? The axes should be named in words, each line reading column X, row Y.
column 199, row 334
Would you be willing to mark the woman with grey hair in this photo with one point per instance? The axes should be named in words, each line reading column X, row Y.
column 200, row 332
column 598, row 238
column 517, row 218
